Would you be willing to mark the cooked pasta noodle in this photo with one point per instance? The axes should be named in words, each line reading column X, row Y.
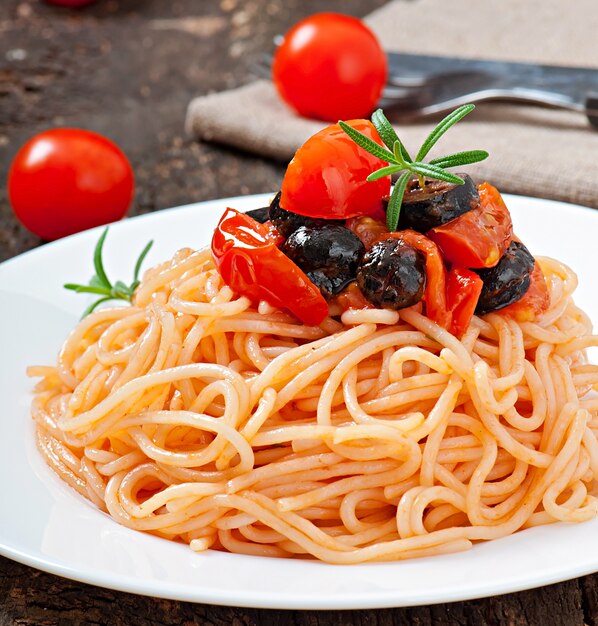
column 196, row 417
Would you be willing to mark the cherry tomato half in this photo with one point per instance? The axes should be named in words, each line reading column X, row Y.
column 327, row 176
column 330, row 67
column 249, row 262
column 479, row 237
column 66, row 180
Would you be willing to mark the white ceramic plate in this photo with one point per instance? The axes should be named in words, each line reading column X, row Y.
column 46, row 525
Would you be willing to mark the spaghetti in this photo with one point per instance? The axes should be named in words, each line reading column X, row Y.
column 378, row 435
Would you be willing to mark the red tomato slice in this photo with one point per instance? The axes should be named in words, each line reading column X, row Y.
column 249, row 262
column 331, row 67
column 535, row 301
column 463, row 288
column 479, row 237
column 327, row 176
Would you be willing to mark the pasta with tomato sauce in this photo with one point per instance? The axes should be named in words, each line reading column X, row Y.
column 254, row 399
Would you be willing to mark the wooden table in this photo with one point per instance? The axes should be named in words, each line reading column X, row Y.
column 128, row 68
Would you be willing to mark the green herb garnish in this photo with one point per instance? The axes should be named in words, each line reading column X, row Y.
column 99, row 283
column 399, row 160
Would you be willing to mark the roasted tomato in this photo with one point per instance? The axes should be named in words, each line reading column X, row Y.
column 368, row 229
column 534, row 302
column 435, row 293
column 327, row 176
column 249, row 261
column 450, row 298
column 479, row 237
column 352, row 298
column 463, row 288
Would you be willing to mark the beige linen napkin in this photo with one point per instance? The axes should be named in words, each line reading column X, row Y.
column 533, row 151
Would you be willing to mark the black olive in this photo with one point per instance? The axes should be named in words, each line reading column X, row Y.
column 506, row 282
column 392, row 274
column 328, row 254
column 260, row 215
column 437, row 203
column 287, row 222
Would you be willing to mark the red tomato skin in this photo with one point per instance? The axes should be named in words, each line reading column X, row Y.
column 66, row 180
column 250, row 263
column 70, row 3
column 435, row 292
column 330, row 66
column 327, row 176
column 450, row 297
column 479, row 237
column 534, row 302
column 463, row 288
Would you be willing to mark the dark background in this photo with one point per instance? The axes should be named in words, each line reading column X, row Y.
column 128, row 69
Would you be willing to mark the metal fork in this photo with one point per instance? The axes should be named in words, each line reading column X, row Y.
column 413, row 94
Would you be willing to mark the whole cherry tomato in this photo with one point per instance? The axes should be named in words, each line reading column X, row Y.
column 479, row 237
column 66, row 180
column 249, row 262
column 327, row 176
column 70, row 3
column 330, row 67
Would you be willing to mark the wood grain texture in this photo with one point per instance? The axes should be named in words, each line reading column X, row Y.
column 127, row 68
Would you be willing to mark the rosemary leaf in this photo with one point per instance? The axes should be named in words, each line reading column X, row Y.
column 368, row 144
column 460, row 158
column 434, row 171
column 396, row 199
column 140, row 261
column 94, row 281
column 384, row 171
column 442, row 127
column 98, row 263
column 388, row 134
column 396, row 149
column 102, row 291
column 120, row 291
column 99, row 283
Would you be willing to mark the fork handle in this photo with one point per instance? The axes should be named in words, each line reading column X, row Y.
column 571, row 100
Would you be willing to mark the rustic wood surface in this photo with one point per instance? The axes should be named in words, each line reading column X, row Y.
column 127, row 68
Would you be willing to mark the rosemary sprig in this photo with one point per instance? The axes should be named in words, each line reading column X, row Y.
column 399, row 160
column 99, row 283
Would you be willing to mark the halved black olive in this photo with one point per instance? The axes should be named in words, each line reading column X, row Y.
column 437, row 203
column 328, row 254
column 260, row 215
column 287, row 222
column 392, row 274
column 506, row 282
